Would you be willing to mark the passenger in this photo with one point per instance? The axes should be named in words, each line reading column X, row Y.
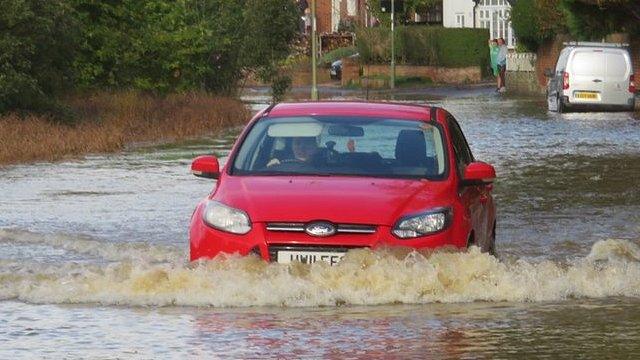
column 502, row 64
column 303, row 150
column 493, row 53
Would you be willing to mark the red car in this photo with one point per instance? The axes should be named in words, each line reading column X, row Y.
column 309, row 181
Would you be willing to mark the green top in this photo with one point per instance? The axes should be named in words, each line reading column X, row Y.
column 493, row 52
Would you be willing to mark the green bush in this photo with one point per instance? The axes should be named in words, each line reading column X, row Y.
column 425, row 45
column 463, row 47
column 38, row 41
column 535, row 21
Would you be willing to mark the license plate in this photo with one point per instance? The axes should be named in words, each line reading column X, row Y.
column 309, row 257
column 586, row 95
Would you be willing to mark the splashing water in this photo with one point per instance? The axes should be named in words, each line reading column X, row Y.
column 141, row 275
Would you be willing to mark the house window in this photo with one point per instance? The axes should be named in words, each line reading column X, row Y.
column 351, row 7
column 459, row 20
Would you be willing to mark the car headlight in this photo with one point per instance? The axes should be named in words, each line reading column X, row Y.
column 422, row 224
column 225, row 218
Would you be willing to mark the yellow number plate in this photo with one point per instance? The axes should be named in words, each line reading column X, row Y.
column 586, row 95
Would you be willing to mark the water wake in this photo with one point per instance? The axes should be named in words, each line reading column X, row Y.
column 86, row 246
column 364, row 277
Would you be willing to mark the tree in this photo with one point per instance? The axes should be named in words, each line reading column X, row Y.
column 535, row 21
column 161, row 45
column 38, row 42
column 594, row 19
column 270, row 27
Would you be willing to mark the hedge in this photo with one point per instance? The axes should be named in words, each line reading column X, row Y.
column 425, row 45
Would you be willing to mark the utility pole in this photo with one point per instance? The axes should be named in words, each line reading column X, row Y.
column 392, row 82
column 314, row 52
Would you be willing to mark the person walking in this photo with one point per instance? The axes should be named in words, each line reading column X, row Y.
column 502, row 64
column 493, row 54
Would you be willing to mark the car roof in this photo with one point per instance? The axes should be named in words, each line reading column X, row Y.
column 598, row 48
column 353, row 108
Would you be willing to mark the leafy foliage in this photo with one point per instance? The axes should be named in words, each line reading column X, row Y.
column 425, row 45
column 535, row 21
column 270, row 27
column 160, row 46
column 594, row 19
column 337, row 54
column 37, row 42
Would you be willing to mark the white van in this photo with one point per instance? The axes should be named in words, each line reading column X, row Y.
column 592, row 76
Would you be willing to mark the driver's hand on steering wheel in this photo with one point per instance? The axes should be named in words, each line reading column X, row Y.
column 273, row 162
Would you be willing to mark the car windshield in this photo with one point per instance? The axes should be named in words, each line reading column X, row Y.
column 350, row 146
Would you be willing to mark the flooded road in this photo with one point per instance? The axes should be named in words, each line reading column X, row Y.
column 93, row 258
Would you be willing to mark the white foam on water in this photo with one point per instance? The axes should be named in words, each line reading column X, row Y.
column 363, row 277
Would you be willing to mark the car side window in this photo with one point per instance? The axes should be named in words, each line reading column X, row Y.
column 463, row 154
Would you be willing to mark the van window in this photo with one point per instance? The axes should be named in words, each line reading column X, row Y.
column 588, row 63
column 616, row 66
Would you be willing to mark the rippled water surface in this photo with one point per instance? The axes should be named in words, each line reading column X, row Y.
column 93, row 258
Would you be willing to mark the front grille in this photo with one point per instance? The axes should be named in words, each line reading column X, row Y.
column 340, row 228
column 274, row 248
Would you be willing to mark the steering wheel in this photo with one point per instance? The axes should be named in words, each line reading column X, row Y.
column 325, row 156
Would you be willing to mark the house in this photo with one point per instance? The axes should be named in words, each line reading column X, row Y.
column 330, row 13
column 487, row 14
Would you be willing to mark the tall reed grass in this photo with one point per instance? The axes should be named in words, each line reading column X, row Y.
column 107, row 122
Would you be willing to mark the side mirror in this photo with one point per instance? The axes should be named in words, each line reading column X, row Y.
column 206, row 166
column 478, row 173
column 548, row 73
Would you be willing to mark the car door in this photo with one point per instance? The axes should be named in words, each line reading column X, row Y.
column 587, row 75
column 474, row 198
column 617, row 73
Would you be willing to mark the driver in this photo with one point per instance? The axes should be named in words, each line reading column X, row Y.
column 303, row 150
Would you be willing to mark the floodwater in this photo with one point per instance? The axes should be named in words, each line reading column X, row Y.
column 93, row 258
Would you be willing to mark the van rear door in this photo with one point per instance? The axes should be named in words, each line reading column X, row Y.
column 587, row 75
column 617, row 73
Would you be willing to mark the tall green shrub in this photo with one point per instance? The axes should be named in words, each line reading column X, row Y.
column 37, row 46
column 270, row 27
column 425, row 45
column 535, row 21
column 594, row 19
column 161, row 45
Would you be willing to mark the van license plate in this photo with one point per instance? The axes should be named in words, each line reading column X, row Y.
column 586, row 95
column 309, row 257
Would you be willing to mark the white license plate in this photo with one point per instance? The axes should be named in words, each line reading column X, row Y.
column 309, row 257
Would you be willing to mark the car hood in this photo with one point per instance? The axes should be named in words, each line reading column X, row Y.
column 337, row 199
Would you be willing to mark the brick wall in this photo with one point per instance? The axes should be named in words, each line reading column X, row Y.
column 547, row 56
column 471, row 74
column 635, row 57
column 323, row 15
